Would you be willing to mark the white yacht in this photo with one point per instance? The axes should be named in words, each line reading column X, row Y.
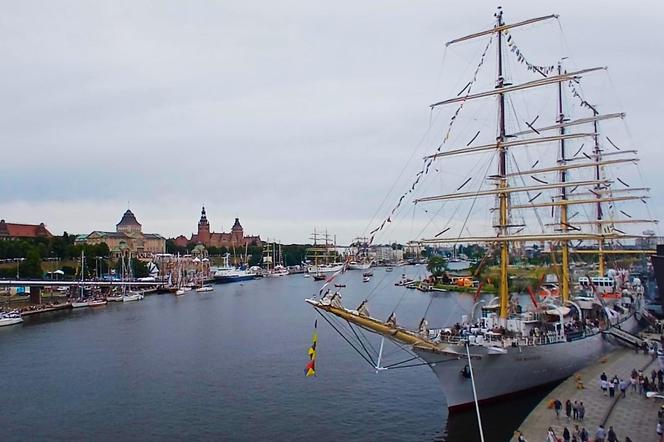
column 132, row 296
column 10, row 318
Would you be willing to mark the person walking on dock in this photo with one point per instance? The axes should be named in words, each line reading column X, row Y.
column 568, row 409
column 634, row 379
column 582, row 410
column 575, row 411
column 612, row 435
column 612, row 387
column 583, row 435
column 623, row 387
column 551, row 436
column 557, row 406
column 566, row 435
column 600, row 434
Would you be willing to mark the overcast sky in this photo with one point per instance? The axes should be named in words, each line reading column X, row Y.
column 290, row 115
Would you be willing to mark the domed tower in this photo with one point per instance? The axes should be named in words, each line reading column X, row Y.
column 237, row 233
column 128, row 223
column 203, row 228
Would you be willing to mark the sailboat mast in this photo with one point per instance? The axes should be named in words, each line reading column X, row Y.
column 502, row 172
column 598, row 158
column 563, row 194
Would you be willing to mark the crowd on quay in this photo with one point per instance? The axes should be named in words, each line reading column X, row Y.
column 573, row 412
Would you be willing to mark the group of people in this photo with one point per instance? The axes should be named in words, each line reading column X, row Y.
column 574, row 411
column 582, row 435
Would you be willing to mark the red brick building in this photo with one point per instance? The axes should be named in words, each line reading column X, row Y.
column 208, row 238
column 20, row 231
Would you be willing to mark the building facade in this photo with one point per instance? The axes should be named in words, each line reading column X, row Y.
column 205, row 236
column 21, row 231
column 128, row 236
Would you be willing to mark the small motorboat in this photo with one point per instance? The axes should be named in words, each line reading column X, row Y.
column 10, row 318
column 340, row 285
column 389, row 269
column 319, row 277
column 369, row 274
column 180, row 292
column 366, row 278
column 205, row 288
column 132, row 296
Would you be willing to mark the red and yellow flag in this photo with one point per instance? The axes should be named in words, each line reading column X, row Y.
column 310, row 369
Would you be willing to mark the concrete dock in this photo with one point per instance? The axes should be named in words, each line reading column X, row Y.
column 633, row 416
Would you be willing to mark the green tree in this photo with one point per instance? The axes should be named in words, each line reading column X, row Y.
column 31, row 266
column 436, row 265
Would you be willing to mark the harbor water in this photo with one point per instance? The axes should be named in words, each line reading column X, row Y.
column 229, row 365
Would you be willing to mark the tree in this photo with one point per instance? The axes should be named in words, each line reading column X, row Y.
column 436, row 265
column 31, row 266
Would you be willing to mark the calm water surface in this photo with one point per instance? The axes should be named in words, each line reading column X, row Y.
column 229, row 365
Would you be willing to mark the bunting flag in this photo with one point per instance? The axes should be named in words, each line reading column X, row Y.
column 310, row 369
column 330, row 278
column 427, row 163
column 543, row 70
column 576, row 94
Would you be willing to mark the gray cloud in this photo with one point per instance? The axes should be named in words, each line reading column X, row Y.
column 290, row 115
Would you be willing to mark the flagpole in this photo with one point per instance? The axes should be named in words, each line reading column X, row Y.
column 472, row 381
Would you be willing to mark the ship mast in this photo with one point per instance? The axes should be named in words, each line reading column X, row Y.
column 502, row 172
column 563, row 193
column 598, row 159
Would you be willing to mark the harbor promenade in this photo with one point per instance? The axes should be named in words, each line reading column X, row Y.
column 633, row 416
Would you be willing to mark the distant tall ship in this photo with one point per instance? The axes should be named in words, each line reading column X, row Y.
column 322, row 255
column 560, row 171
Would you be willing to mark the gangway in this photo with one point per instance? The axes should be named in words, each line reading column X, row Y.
column 625, row 337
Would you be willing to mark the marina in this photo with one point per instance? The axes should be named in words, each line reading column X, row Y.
column 486, row 262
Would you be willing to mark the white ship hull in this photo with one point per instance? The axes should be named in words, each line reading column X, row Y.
column 132, row 297
column 332, row 268
column 10, row 321
column 79, row 304
column 519, row 369
column 359, row 266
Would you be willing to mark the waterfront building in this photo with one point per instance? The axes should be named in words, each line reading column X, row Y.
column 128, row 236
column 386, row 254
column 235, row 238
column 22, row 231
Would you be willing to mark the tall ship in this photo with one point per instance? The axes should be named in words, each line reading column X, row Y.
column 273, row 260
column 322, row 257
column 361, row 259
column 560, row 185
